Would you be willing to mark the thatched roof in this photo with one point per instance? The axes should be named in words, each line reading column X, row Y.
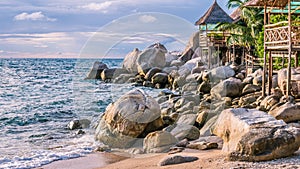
column 214, row 15
column 268, row 3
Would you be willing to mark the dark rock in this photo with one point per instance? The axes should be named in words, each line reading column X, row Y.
column 95, row 72
column 152, row 72
column 160, row 78
column 177, row 160
column 204, row 87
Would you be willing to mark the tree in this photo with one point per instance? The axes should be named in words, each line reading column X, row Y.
column 245, row 31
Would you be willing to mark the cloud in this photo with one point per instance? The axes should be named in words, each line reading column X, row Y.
column 1, row 51
column 103, row 7
column 147, row 19
column 35, row 16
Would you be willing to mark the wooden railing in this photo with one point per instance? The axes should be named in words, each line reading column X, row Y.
column 277, row 34
column 218, row 37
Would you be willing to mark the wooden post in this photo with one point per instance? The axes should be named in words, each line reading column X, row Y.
column 289, row 75
column 270, row 73
column 246, row 60
column 233, row 58
column 296, row 59
column 243, row 57
column 265, row 55
column 283, row 58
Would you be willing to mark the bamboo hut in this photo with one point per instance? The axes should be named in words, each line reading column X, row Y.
column 283, row 36
column 210, row 37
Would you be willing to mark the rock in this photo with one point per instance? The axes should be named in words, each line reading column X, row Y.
column 168, row 70
column 193, row 42
column 123, row 78
column 249, row 99
column 79, row 124
column 231, row 87
column 187, row 55
column 133, row 115
column 221, row 73
column 80, row 132
column 190, row 87
column 183, row 143
column 152, row 72
column 288, row 112
column 182, row 131
column 159, row 46
column 149, row 58
column 252, row 135
column 250, row 88
column 206, row 130
column 170, row 58
column 201, row 118
column 159, row 142
column 202, row 146
column 295, row 78
column 257, row 80
column 176, row 63
column 74, row 124
column 187, row 119
column 108, row 74
column 96, row 70
column 204, row 87
column 210, row 139
column 176, row 160
column 174, row 150
column 160, row 78
column 248, row 80
column 268, row 102
column 130, row 59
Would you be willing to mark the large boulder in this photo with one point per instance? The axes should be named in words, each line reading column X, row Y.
column 133, row 115
column 231, row 87
column 252, row 135
column 193, row 42
column 295, row 77
column 159, row 142
column 129, row 62
column 95, row 72
column 288, row 112
column 221, row 73
column 151, row 57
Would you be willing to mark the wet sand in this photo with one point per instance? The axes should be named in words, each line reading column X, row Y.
column 211, row 159
column 90, row 161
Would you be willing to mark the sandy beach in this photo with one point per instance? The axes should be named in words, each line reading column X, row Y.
column 213, row 159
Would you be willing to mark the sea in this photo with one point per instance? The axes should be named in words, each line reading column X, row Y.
column 39, row 97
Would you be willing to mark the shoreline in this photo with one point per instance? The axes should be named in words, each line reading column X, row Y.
column 90, row 161
column 214, row 159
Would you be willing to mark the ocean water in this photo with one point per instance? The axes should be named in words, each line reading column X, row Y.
column 39, row 97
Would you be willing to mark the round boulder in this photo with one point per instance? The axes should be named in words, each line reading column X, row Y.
column 133, row 115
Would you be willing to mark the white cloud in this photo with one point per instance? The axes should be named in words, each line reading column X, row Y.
column 1, row 51
column 103, row 7
column 35, row 16
column 147, row 19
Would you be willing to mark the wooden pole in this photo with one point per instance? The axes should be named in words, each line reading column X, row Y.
column 265, row 55
column 296, row 59
column 290, row 51
column 270, row 77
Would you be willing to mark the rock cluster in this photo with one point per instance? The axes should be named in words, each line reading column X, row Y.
column 197, row 103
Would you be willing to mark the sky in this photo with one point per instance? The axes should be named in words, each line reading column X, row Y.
column 95, row 28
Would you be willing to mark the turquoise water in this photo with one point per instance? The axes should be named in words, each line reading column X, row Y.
column 38, row 97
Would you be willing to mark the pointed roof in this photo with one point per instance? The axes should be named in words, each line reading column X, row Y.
column 236, row 15
column 215, row 14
